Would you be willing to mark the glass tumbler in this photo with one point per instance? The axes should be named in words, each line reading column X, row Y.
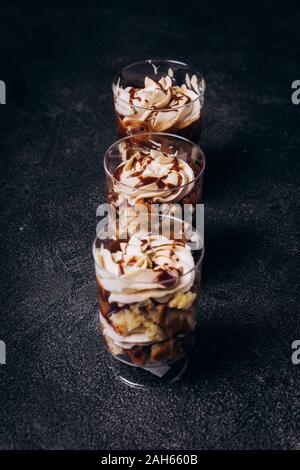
column 152, row 172
column 148, row 292
column 159, row 96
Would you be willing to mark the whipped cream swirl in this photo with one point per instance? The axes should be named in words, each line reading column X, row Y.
column 160, row 105
column 147, row 266
column 154, row 175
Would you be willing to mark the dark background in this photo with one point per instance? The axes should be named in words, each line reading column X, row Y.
column 57, row 389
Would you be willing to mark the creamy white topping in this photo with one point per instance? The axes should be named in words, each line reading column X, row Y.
column 153, row 175
column 160, row 104
column 145, row 267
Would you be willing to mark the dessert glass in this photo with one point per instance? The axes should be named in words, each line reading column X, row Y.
column 152, row 171
column 159, row 96
column 148, row 292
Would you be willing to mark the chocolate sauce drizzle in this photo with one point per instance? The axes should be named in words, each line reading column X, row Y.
column 175, row 99
column 145, row 179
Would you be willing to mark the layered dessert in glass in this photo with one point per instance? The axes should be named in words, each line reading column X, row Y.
column 159, row 96
column 152, row 169
column 148, row 288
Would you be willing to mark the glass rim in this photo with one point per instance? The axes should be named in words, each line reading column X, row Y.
column 194, row 269
column 176, row 188
column 149, row 61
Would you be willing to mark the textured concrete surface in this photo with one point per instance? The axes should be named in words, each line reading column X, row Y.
column 57, row 389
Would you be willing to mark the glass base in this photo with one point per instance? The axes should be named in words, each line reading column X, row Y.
column 139, row 377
